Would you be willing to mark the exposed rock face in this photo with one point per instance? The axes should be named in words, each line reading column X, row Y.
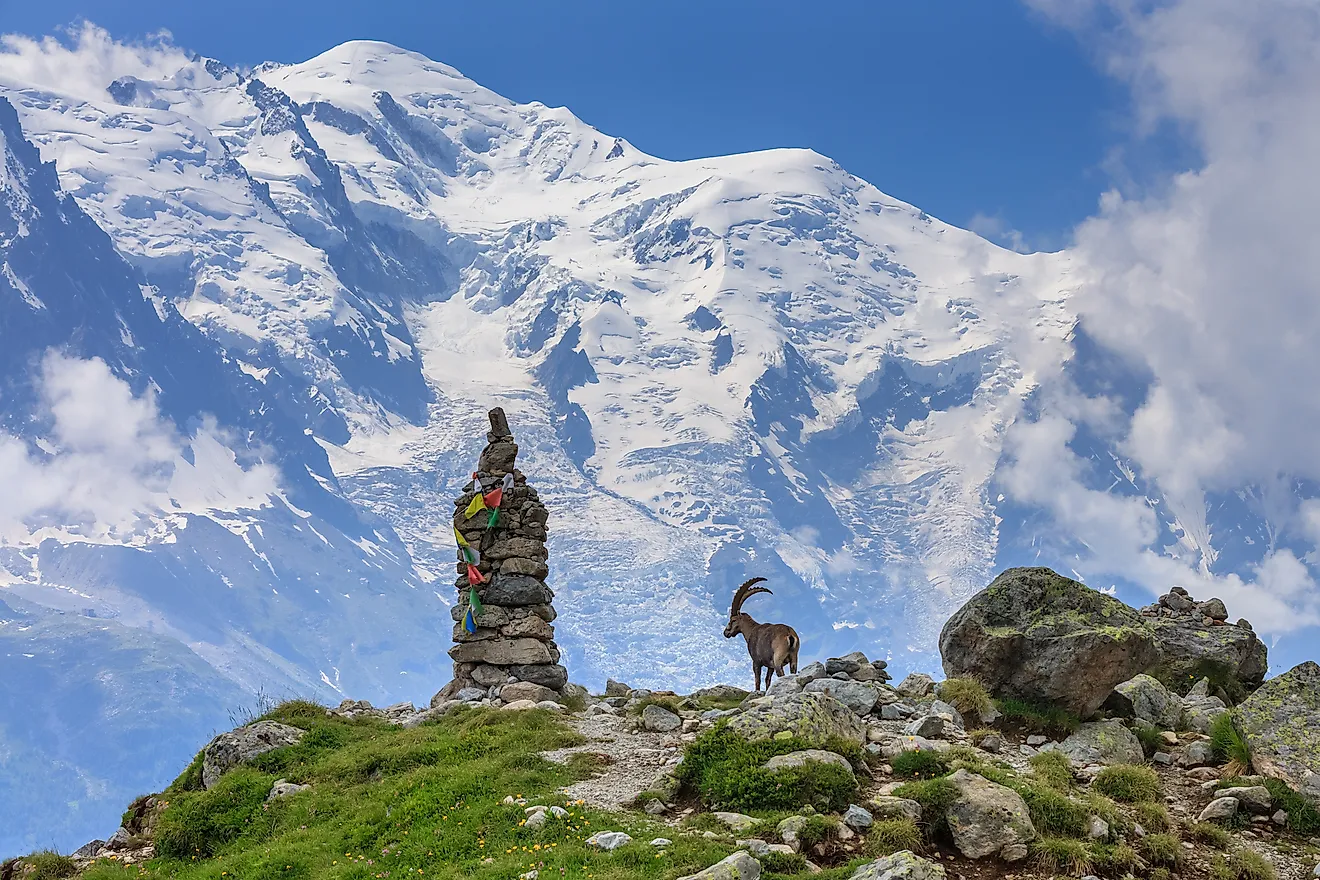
column 1145, row 699
column 1281, row 722
column 987, row 817
column 1197, row 640
column 903, row 865
column 228, row 750
column 812, row 717
column 511, row 640
column 1039, row 636
column 1103, row 742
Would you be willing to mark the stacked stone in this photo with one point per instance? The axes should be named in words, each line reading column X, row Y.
column 512, row 655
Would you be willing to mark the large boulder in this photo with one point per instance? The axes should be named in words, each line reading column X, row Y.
column 1103, row 742
column 808, row 756
column 1194, row 645
column 228, row 750
column 856, row 695
column 1281, row 723
column 1144, row 699
column 1039, row 636
column 739, row 866
column 986, row 817
column 903, row 865
column 814, row 718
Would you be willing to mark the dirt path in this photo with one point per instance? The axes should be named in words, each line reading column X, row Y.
column 632, row 760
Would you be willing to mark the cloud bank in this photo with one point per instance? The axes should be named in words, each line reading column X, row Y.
column 107, row 461
column 1209, row 282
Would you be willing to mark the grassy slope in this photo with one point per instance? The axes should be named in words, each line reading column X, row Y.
column 387, row 802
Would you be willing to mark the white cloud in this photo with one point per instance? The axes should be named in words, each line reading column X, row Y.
column 86, row 61
column 994, row 227
column 109, row 460
column 1209, row 281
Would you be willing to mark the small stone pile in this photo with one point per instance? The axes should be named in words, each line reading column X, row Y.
column 512, row 655
column 1196, row 638
column 1178, row 603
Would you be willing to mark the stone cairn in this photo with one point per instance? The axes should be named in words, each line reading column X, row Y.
column 511, row 655
column 1177, row 603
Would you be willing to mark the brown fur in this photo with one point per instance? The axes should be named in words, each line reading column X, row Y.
column 772, row 646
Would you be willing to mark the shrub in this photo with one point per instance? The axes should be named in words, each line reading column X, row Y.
column 817, row 830
column 967, row 695
column 783, row 863
column 48, row 865
column 1242, row 865
column 191, row 777
column 1127, row 783
column 1152, row 815
column 1161, row 850
column 919, row 765
column 893, row 835
column 1058, row 854
column 1150, row 737
column 295, row 713
column 1230, row 746
column 1038, row 718
column 1211, row 835
column 1053, row 769
column 726, row 770
column 935, row 796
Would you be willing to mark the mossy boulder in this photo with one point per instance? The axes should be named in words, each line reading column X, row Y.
column 1232, row 657
column 1038, row 636
column 812, row 718
column 1281, row 723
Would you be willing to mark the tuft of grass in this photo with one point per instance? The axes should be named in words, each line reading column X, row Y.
column 1127, row 783
column 893, row 835
column 672, row 704
column 1053, row 813
column 935, row 797
column 1099, row 805
column 1211, row 835
column 1159, row 874
column 1063, row 855
column 1150, row 737
column 1161, row 850
column 1037, row 717
column 1243, row 864
column 1230, row 746
column 1052, row 769
column 725, row 771
column 1303, row 817
column 47, row 865
column 818, row 830
column 783, row 863
column 919, row 765
column 1118, row 860
column 575, row 702
column 968, row 696
column 407, row 801
column 1152, row 815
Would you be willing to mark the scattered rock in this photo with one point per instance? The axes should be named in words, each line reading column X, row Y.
column 608, row 840
column 917, row 684
column 856, row 695
column 857, row 818
column 986, row 816
column 616, row 688
column 662, row 841
column 1255, row 798
column 526, row 690
column 1039, row 636
column 658, row 719
column 1218, row 810
column 228, row 750
column 1189, row 646
column 1103, row 742
column 903, row 865
column 888, row 807
column 735, row 821
column 518, row 706
column 1143, row 698
column 798, row 759
column 739, row 866
column 284, row 788
column 788, row 830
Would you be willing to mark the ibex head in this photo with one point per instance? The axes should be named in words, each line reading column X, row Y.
column 736, row 615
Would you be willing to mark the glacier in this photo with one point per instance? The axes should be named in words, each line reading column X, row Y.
column 314, row 279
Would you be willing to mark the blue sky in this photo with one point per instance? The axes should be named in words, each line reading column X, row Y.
column 962, row 107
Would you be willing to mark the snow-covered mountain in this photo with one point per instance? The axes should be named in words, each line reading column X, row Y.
column 302, row 286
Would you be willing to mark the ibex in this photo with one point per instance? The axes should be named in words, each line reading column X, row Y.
column 771, row 645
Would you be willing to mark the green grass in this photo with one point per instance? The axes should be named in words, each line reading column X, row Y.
column 1052, row 769
column 1303, row 817
column 1127, row 783
column 725, row 771
column 968, row 696
column 1230, row 746
column 423, row 802
column 1152, row 815
column 1211, row 835
column 924, row 764
column 48, row 865
column 818, row 830
column 1161, row 850
column 671, row 704
column 1242, row 865
column 1053, row 813
column 1060, row 854
column 783, row 863
column 1151, row 738
column 1116, row 861
column 1036, row 717
column 893, row 835
column 935, row 796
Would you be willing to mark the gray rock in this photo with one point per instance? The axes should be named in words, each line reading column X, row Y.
column 992, row 743
column 1197, row 754
column 806, row 756
column 986, row 817
column 1097, row 829
column 1200, row 712
column 616, row 688
column 549, row 706
column 662, row 841
column 502, row 652
column 518, row 706
column 517, row 589
column 897, row 711
column 788, row 830
column 1281, row 724
column 608, row 840
column 857, row 818
column 1219, row 810
column 754, row 845
column 917, row 684
column 783, row 686
column 812, row 671
column 939, row 707
column 739, row 866
column 660, row 720
column 1103, row 742
column 889, row 807
column 1039, row 636
column 1014, row 852
column 525, row 690
column 1188, row 646
column 471, row 695
column 1037, row 739
column 1163, row 758
column 813, row 718
column 846, row 665
column 722, row 692
column 228, row 750
column 856, row 695
column 735, row 821
column 903, row 865
column 1255, row 798
column 549, row 675
column 1143, row 698
column 89, row 850
column 284, row 788
column 932, row 726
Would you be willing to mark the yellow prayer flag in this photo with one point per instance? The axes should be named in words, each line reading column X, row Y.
column 462, row 542
column 477, row 505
